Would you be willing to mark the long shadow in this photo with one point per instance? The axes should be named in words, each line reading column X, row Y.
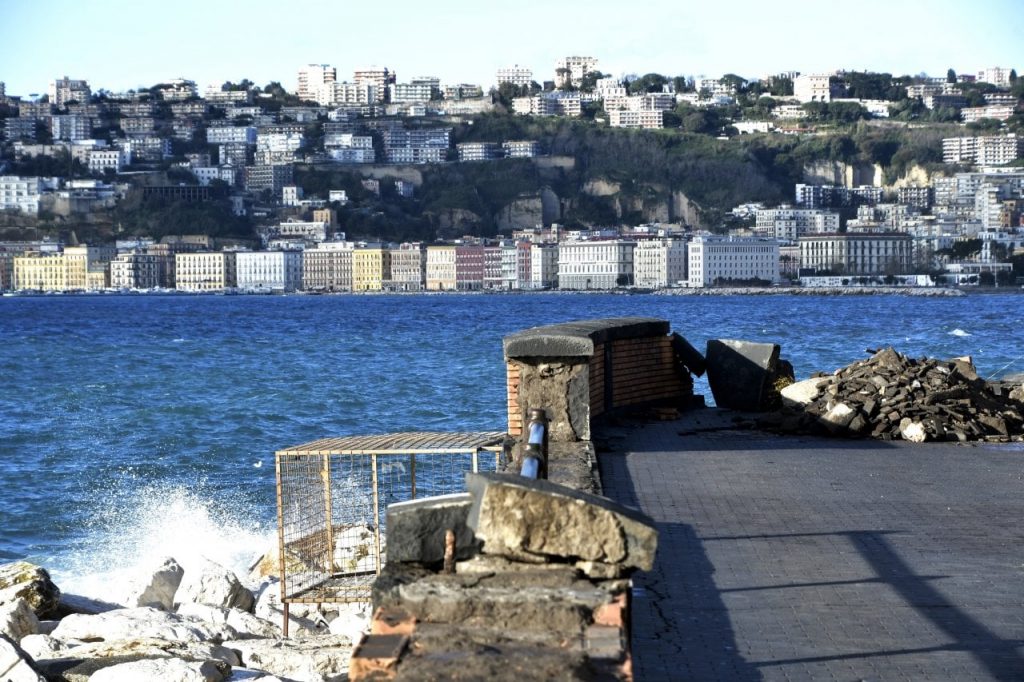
column 680, row 627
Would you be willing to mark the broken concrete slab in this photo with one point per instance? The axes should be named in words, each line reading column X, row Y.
column 416, row 528
column 803, row 392
column 536, row 520
column 739, row 372
column 578, row 339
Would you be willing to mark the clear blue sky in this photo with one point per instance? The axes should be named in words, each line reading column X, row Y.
column 122, row 44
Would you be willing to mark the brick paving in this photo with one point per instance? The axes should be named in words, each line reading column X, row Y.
column 797, row 558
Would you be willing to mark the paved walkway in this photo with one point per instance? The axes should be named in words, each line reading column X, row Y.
column 795, row 558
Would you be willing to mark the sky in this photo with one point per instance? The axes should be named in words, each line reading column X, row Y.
column 125, row 44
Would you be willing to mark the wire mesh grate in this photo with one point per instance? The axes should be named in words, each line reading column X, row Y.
column 333, row 496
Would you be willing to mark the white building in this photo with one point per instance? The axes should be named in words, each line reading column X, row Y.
column 204, row 271
column 312, row 81
column 376, row 77
column 659, row 263
column 229, row 134
column 520, row 149
column 64, row 90
column 408, row 268
column 601, row 264
column 715, row 260
column 620, row 118
column 478, row 151
column 328, row 266
column 543, row 266
column 311, row 230
column 516, row 75
column 787, row 223
column 572, row 70
column 998, row 112
column 20, row 193
column 878, row 253
column 997, row 150
column 812, row 88
column 996, row 75
column 269, row 271
column 101, row 160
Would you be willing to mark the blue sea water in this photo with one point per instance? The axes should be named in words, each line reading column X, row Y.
column 140, row 426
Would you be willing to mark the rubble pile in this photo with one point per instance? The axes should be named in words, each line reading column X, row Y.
column 891, row 397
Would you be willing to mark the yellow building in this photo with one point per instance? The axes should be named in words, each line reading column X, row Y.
column 77, row 268
column 370, row 267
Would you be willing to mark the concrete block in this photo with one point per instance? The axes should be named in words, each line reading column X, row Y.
column 688, row 355
column 416, row 528
column 392, row 621
column 376, row 657
column 535, row 520
column 803, row 393
column 739, row 371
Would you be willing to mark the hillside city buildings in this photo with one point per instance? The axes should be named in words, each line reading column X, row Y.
column 241, row 144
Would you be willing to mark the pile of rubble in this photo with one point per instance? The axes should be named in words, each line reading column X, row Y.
column 890, row 396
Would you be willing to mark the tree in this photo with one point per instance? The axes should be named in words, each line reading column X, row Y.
column 590, row 79
column 649, row 82
column 951, row 76
column 1013, row 75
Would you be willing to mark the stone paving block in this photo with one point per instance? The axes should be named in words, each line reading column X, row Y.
column 376, row 657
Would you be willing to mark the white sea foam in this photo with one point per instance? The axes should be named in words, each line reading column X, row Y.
column 135, row 527
column 959, row 332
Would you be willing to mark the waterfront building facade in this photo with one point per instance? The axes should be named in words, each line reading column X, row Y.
column 140, row 271
column 328, row 267
column 720, row 260
column 543, row 266
column 268, row 271
column 371, row 267
column 659, row 263
column 599, row 264
column 440, row 271
column 408, row 263
column 888, row 253
column 205, row 271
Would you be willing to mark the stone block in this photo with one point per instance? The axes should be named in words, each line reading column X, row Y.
column 22, row 580
column 15, row 664
column 803, row 393
column 416, row 528
column 536, row 520
column 392, row 621
column 739, row 372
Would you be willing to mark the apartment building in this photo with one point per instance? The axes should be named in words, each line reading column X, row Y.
column 40, row 272
column 422, row 89
column 622, row 118
column 543, row 266
column 787, row 223
column 440, row 268
column 379, row 78
column 999, row 112
column 64, row 90
column 812, row 88
column 22, row 193
column 572, row 70
column 229, row 134
column 408, row 268
column 516, row 75
column 101, row 160
column 520, row 149
column 76, row 268
column 312, row 80
column 996, row 150
column 599, row 264
column 501, row 266
column 268, row 271
column 659, row 263
column 879, row 253
column 269, row 177
column 996, row 75
column 205, row 271
column 141, row 271
column 549, row 104
column 70, row 127
column 714, row 259
column 328, row 267
column 371, row 267
column 478, row 151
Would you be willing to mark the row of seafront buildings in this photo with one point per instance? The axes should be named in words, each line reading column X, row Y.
column 530, row 260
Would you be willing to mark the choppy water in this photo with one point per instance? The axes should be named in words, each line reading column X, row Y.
column 145, row 426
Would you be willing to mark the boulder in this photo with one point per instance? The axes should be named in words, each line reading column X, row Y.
column 156, row 588
column 803, row 392
column 211, row 583
column 416, row 529
column 838, row 417
column 76, row 603
column 303, row 619
column 913, row 431
column 316, row 659
column 149, row 647
column 238, row 624
column 352, row 621
column 17, row 620
column 740, row 372
column 22, row 580
column 163, row 670
column 132, row 623
column 41, row 646
column 15, row 664
column 536, row 520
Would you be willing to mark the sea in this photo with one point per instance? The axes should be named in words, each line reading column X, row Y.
column 134, row 427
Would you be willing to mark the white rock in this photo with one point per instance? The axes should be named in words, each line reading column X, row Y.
column 14, row 664
column 153, row 648
column 303, row 619
column 211, row 583
column 133, row 623
column 316, row 659
column 240, row 624
column 804, row 392
column 156, row 588
column 18, row 620
column 161, row 670
column 838, row 417
column 41, row 647
column 250, row 675
column 353, row 621
column 913, row 432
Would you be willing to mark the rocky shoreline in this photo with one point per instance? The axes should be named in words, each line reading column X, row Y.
column 170, row 624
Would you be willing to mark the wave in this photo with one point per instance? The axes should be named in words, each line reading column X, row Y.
column 134, row 528
column 959, row 332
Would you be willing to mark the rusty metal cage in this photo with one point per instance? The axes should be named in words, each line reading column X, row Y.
column 332, row 495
